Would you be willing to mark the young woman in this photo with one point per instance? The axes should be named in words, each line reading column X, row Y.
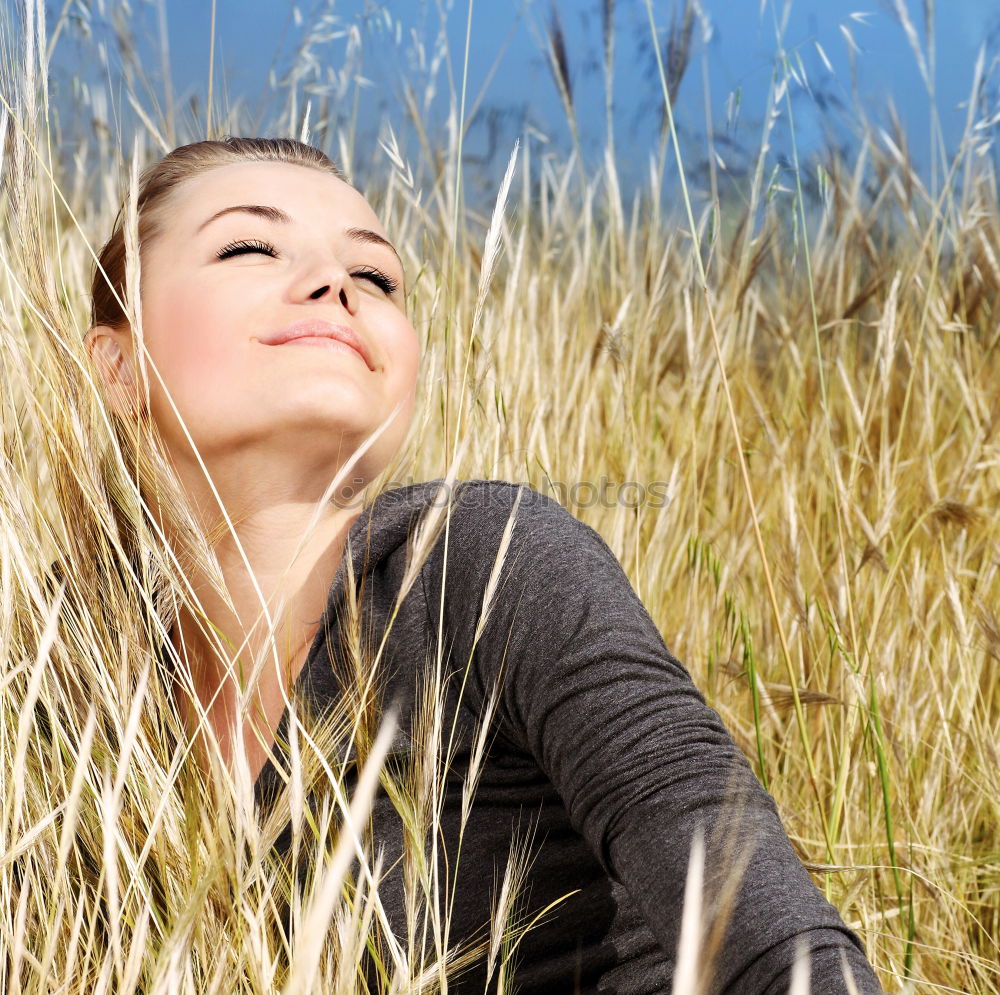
column 276, row 357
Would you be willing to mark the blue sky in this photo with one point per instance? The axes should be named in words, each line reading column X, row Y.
column 841, row 43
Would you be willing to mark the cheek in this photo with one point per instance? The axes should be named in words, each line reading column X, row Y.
column 406, row 349
column 184, row 341
column 184, row 327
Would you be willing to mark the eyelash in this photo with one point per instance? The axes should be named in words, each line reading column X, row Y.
column 383, row 281
column 245, row 246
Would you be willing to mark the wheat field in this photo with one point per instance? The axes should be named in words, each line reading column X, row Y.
column 781, row 409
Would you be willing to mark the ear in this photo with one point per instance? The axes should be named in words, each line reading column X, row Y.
column 110, row 352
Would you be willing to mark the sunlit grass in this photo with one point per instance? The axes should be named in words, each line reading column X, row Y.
column 825, row 374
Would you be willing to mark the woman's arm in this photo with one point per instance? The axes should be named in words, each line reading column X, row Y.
column 641, row 762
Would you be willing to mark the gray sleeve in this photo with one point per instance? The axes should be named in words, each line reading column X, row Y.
column 640, row 761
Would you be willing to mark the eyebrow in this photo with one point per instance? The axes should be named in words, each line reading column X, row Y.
column 370, row 237
column 258, row 210
column 278, row 216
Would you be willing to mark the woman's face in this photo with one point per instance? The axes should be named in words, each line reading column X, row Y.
column 252, row 251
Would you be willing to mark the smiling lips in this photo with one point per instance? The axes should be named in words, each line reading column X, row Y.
column 320, row 332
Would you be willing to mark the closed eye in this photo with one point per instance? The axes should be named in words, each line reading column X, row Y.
column 245, row 246
column 383, row 281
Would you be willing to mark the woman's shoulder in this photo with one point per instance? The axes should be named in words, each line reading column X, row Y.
column 485, row 515
column 483, row 505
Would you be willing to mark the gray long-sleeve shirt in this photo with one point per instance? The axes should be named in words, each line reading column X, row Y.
column 602, row 749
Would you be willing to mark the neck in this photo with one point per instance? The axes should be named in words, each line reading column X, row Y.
column 280, row 544
column 263, row 651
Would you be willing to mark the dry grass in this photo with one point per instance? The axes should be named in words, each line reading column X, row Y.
column 858, row 348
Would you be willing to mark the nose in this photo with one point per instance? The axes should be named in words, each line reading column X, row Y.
column 325, row 282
